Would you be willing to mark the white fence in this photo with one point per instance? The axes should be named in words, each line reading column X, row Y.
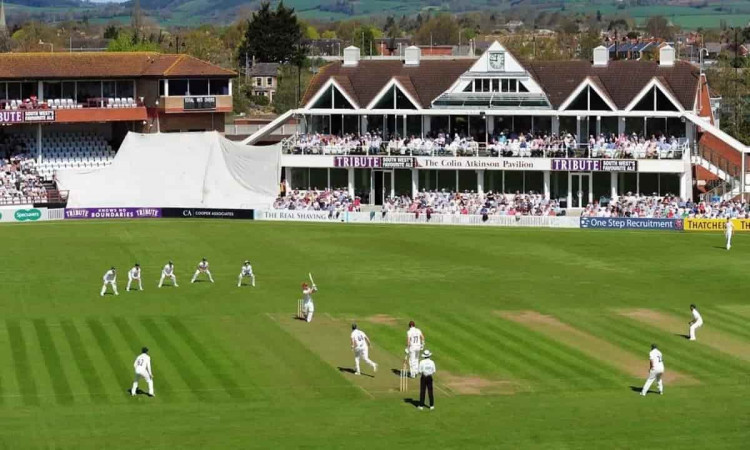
column 411, row 218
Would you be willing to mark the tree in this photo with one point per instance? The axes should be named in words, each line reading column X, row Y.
column 127, row 42
column 365, row 36
column 589, row 41
column 204, row 43
column 111, row 32
column 311, row 33
column 658, row 27
column 439, row 30
column 328, row 34
column 271, row 36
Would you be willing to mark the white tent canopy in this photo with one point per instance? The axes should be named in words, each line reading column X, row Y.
column 181, row 170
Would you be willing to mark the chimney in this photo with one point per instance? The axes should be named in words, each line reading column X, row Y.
column 666, row 56
column 351, row 56
column 412, row 56
column 601, row 56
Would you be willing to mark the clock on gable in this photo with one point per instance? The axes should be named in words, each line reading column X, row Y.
column 497, row 60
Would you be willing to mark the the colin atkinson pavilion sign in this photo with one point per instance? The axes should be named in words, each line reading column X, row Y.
column 595, row 165
column 10, row 117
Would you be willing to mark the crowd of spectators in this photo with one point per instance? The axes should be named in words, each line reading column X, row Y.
column 332, row 200
column 19, row 181
column 667, row 207
column 531, row 204
column 425, row 202
column 505, row 144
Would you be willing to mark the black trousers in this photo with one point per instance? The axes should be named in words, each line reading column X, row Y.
column 425, row 383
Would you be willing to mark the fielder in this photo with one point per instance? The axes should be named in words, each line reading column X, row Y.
column 135, row 275
column 246, row 272
column 414, row 345
column 308, row 307
column 361, row 348
column 728, row 232
column 696, row 323
column 110, row 279
column 142, row 366
column 202, row 268
column 168, row 272
column 656, row 371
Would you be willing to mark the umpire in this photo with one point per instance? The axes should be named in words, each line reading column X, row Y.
column 427, row 369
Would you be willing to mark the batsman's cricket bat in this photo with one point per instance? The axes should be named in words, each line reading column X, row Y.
column 311, row 278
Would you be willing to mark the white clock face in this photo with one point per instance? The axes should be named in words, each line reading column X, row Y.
column 497, row 60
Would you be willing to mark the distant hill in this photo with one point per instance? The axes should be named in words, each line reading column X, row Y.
column 685, row 13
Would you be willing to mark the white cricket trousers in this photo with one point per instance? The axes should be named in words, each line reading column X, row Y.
column 198, row 272
column 251, row 276
column 171, row 277
column 653, row 375
column 729, row 240
column 308, row 308
column 363, row 353
column 149, row 381
column 130, row 281
column 414, row 361
column 694, row 327
column 109, row 283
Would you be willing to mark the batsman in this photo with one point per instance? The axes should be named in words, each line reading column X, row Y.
column 308, row 307
column 414, row 345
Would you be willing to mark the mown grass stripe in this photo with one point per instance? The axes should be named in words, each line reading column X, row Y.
column 86, row 368
column 542, row 353
column 203, row 354
column 60, row 384
column 21, row 364
column 691, row 361
column 118, row 366
column 129, row 335
column 491, row 357
column 465, row 361
column 699, row 356
column 727, row 322
column 577, row 361
column 503, row 349
column 176, row 358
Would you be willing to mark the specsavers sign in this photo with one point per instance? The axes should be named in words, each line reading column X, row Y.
column 716, row 224
column 23, row 214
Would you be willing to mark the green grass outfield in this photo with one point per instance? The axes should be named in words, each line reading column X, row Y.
column 540, row 337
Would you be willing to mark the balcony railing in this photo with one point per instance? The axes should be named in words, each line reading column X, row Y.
column 648, row 150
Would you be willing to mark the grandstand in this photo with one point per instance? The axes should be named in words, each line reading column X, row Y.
column 71, row 111
column 574, row 131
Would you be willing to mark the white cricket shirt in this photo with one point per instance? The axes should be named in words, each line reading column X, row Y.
column 414, row 337
column 657, row 362
column 697, row 316
column 427, row 367
column 359, row 338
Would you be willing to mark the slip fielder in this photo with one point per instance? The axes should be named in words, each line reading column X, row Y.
column 168, row 272
column 134, row 275
column 110, row 279
column 246, row 272
column 202, row 268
